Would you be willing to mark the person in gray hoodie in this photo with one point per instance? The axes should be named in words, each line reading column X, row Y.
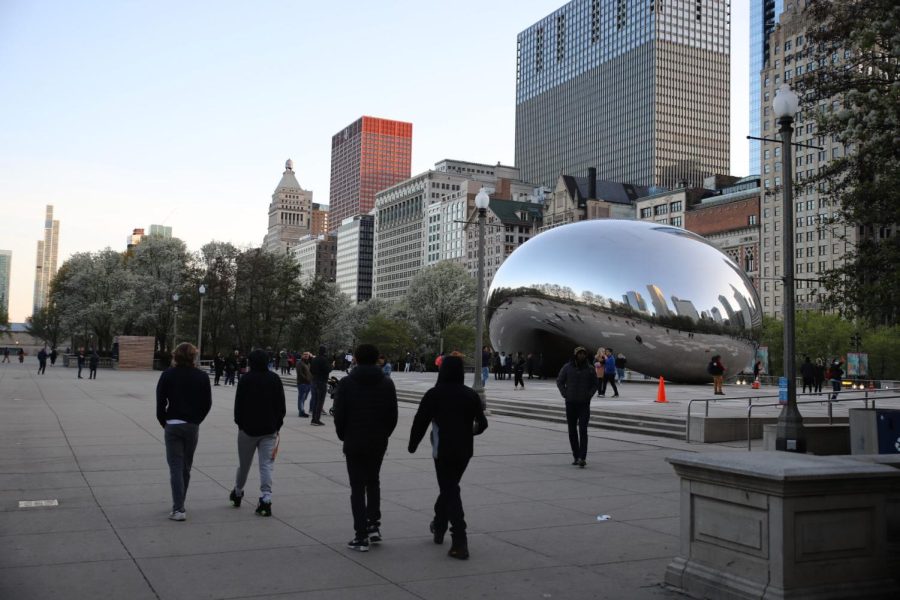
column 577, row 383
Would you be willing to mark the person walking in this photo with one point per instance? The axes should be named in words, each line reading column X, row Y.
column 230, row 368
column 621, row 361
column 808, row 375
column 320, row 369
column 836, row 375
column 365, row 415
column 819, row 375
column 304, row 384
column 485, row 365
column 42, row 361
column 93, row 363
column 80, row 362
column 519, row 371
column 259, row 410
column 218, row 367
column 53, row 355
column 183, row 399
column 455, row 414
column 599, row 367
column 717, row 370
column 577, row 382
column 5, row 355
column 609, row 372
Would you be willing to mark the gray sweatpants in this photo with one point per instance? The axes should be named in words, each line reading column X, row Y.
column 247, row 445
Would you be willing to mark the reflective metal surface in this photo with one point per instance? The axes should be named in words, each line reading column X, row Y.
column 664, row 297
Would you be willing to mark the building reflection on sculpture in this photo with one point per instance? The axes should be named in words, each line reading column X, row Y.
column 663, row 297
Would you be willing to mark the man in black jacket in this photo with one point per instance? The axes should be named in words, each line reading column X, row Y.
column 183, row 399
column 365, row 414
column 455, row 414
column 320, row 369
column 259, row 411
column 577, row 383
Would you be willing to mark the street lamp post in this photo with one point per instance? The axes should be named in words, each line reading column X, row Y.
column 790, row 436
column 482, row 200
column 202, row 291
column 175, row 297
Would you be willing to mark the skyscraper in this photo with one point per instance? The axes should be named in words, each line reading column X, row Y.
column 290, row 213
column 763, row 17
column 367, row 156
column 161, row 230
column 5, row 269
column 45, row 268
column 638, row 89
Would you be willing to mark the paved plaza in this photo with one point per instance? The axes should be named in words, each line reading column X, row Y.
column 96, row 448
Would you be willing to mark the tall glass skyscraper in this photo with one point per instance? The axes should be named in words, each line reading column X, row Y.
column 5, row 273
column 638, row 89
column 45, row 267
column 763, row 17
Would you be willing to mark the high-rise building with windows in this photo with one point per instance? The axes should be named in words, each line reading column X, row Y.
column 638, row 89
column 353, row 263
column 367, row 156
column 47, row 252
column 161, row 230
column 5, row 270
column 290, row 213
column 763, row 17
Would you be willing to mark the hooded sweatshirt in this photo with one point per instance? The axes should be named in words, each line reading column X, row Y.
column 577, row 382
column 365, row 410
column 454, row 412
column 259, row 407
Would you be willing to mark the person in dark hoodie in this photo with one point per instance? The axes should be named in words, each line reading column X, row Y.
column 320, row 368
column 259, row 411
column 455, row 414
column 183, row 399
column 577, row 382
column 365, row 415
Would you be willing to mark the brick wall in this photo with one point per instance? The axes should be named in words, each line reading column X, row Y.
column 136, row 352
column 707, row 220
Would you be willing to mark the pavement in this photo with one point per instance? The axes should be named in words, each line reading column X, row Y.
column 536, row 524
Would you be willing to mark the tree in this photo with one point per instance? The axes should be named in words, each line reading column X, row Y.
column 392, row 338
column 320, row 318
column 854, row 96
column 440, row 296
column 46, row 324
column 459, row 337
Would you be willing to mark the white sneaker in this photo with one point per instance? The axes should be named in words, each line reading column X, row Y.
column 177, row 515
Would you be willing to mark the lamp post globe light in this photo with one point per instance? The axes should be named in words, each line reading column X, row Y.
column 175, row 297
column 790, row 436
column 482, row 201
column 202, row 292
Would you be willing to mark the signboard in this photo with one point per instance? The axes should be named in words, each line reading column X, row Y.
column 857, row 364
column 782, row 390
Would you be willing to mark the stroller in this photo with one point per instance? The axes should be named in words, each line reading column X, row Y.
column 332, row 388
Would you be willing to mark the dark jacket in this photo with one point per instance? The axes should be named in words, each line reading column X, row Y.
column 183, row 393
column 807, row 371
column 259, row 400
column 519, row 365
column 621, row 362
column 304, row 375
column 95, row 360
column 230, row 364
column 218, row 365
column 365, row 410
column 577, row 384
column 454, row 412
column 320, row 367
column 81, row 359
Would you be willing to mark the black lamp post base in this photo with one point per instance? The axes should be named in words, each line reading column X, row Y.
column 789, row 433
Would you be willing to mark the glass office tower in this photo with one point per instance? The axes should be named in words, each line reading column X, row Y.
column 763, row 17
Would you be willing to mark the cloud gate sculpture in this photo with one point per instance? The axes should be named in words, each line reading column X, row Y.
column 664, row 297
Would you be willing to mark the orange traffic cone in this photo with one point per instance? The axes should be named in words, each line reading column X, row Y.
column 661, row 392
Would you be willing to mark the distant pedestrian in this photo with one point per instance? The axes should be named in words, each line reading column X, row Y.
column 485, row 365
column 577, row 382
column 5, row 355
column 455, row 414
column 819, row 375
column 320, row 368
column 717, row 370
column 21, row 354
column 53, row 355
column 93, row 363
column 230, row 368
column 80, row 362
column 621, row 361
column 407, row 364
column 42, row 361
column 518, row 371
column 599, row 366
column 304, row 384
column 836, row 375
column 609, row 372
column 365, row 415
column 808, row 375
column 529, row 365
column 183, row 399
column 218, row 367
column 242, row 366
column 385, row 365
column 259, row 411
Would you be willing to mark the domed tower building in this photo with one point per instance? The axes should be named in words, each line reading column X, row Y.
column 290, row 213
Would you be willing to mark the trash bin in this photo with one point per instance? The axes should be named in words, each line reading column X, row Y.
column 874, row 431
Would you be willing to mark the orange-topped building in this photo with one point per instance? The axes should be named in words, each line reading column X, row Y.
column 367, row 156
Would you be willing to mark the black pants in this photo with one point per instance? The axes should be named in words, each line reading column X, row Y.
column 610, row 379
column 218, row 377
column 519, row 381
column 808, row 383
column 577, row 416
column 601, row 386
column 80, row 367
column 93, row 373
column 365, row 489
column 317, row 401
column 448, row 507
column 42, row 367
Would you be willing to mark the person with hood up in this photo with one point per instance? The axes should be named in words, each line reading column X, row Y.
column 577, row 382
column 183, row 399
column 320, row 369
column 455, row 414
column 259, row 411
column 365, row 415
column 93, row 363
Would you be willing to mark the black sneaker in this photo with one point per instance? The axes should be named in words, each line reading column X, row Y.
column 264, row 509
column 438, row 533
column 459, row 550
column 582, row 463
column 235, row 499
column 575, row 463
column 359, row 544
column 374, row 533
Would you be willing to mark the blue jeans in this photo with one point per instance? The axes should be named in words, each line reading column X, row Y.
column 302, row 393
column 620, row 374
column 485, row 373
column 181, row 441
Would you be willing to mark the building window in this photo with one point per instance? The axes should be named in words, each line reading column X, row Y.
column 751, row 220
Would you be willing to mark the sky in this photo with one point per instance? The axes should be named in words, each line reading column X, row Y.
column 126, row 113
